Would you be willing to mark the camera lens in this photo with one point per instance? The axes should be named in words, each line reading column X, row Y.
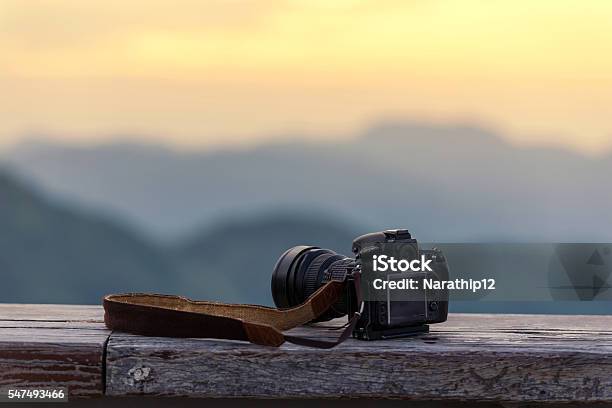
column 300, row 271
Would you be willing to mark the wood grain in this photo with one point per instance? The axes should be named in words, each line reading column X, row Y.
column 53, row 346
column 495, row 358
column 510, row 358
column 58, row 313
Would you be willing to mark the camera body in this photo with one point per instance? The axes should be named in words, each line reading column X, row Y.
column 395, row 313
column 384, row 313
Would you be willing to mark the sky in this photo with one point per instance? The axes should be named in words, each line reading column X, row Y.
column 198, row 74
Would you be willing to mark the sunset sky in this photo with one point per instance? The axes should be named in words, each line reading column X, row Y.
column 207, row 73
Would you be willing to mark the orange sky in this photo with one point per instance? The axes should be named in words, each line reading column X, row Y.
column 208, row 73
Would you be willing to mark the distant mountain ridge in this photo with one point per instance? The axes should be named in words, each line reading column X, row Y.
column 50, row 253
column 56, row 253
column 238, row 255
column 447, row 183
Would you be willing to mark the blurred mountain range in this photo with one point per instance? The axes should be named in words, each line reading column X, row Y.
column 59, row 254
column 448, row 183
column 233, row 259
column 80, row 222
column 49, row 253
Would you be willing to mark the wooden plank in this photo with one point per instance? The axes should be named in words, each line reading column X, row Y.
column 511, row 358
column 471, row 357
column 50, row 312
column 53, row 346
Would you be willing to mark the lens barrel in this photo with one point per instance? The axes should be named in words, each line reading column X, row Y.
column 300, row 271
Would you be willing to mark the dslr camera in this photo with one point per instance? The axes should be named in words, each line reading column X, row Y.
column 385, row 311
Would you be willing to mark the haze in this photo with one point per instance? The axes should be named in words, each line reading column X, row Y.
column 197, row 74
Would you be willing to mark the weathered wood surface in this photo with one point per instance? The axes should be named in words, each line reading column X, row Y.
column 53, row 346
column 471, row 357
column 492, row 358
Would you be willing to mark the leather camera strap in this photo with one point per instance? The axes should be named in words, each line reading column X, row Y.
column 176, row 316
